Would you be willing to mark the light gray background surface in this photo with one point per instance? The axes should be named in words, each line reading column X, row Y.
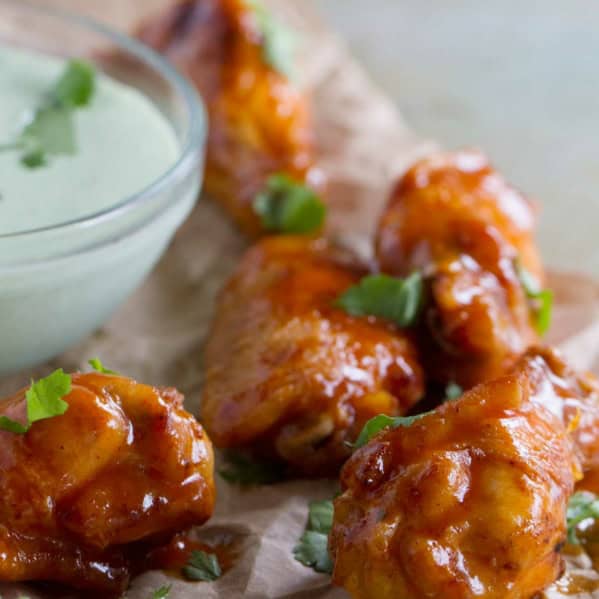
column 518, row 78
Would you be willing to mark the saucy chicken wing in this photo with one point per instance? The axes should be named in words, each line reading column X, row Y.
column 288, row 372
column 573, row 396
column 468, row 501
column 259, row 122
column 455, row 219
column 123, row 468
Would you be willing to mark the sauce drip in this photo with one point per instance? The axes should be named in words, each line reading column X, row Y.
column 173, row 557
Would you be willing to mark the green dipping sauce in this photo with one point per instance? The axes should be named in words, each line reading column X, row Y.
column 123, row 144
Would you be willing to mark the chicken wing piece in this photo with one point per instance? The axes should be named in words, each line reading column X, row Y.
column 289, row 373
column 259, row 121
column 455, row 219
column 125, row 467
column 572, row 395
column 468, row 501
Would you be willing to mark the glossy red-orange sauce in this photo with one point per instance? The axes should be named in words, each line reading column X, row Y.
column 172, row 558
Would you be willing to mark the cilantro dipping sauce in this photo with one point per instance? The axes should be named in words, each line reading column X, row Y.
column 120, row 142
column 96, row 176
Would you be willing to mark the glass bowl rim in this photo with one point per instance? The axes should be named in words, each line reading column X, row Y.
column 195, row 135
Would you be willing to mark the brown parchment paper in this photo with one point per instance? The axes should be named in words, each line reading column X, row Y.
column 157, row 336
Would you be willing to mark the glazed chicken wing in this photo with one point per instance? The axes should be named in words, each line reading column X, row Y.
column 124, row 467
column 259, row 122
column 469, row 501
column 453, row 217
column 288, row 372
column 573, row 396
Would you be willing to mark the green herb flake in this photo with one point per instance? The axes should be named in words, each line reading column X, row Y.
column 378, row 423
column 44, row 400
column 288, row 206
column 202, row 566
column 76, row 85
column 278, row 41
column 162, row 592
column 453, row 391
column 312, row 549
column 582, row 506
column 542, row 298
column 50, row 129
column 242, row 470
column 320, row 517
column 12, row 426
column 396, row 300
column 97, row 365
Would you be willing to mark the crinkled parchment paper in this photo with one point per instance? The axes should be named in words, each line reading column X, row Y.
column 157, row 336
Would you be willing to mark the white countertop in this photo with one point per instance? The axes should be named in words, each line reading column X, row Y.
column 518, row 78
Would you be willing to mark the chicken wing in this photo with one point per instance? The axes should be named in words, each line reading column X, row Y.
column 125, row 467
column 468, row 501
column 259, row 121
column 287, row 371
column 455, row 219
column 573, row 396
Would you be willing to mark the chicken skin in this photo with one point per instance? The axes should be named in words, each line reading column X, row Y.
column 259, row 122
column 455, row 219
column 124, row 468
column 288, row 373
column 468, row 501
column 574, row 397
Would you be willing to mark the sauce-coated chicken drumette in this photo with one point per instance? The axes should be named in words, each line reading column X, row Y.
column 287, row 372
column 124, row 468
column 453, row 218
column 259, row 122
column 470, row 500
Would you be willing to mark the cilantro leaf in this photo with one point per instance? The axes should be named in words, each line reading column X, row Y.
column 380, row 422
column 76, row 85
column 44, row 400
column 312, row 549
column 278, row 41
column 542, row 298
column 245, row 471
column 320, row 517
column 162, row 592
column 50, row 128
column 51, row 131
column 12, row 426
column 97, row 365
column 288, row 206
column 396, row 300
column 33, row 157
column 202, row 566
column 582, row 506
column 453, row 391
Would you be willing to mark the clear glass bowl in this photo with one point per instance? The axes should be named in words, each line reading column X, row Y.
column 59, row 283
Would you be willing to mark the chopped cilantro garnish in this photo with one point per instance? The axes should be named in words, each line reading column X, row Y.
column 242, row 470
column 380, row 422
column 76, row 85
column 453, row 391
column 12, row 426
column 278, row 41
column 312, row 550
column 97, row 365
column 50, row 128
column 396, row 300
column 44, row 400
column 582, row 506
column 542, row 298
column 202, row 566
column 320, row 517
column 162, row 592
column 288, row 206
